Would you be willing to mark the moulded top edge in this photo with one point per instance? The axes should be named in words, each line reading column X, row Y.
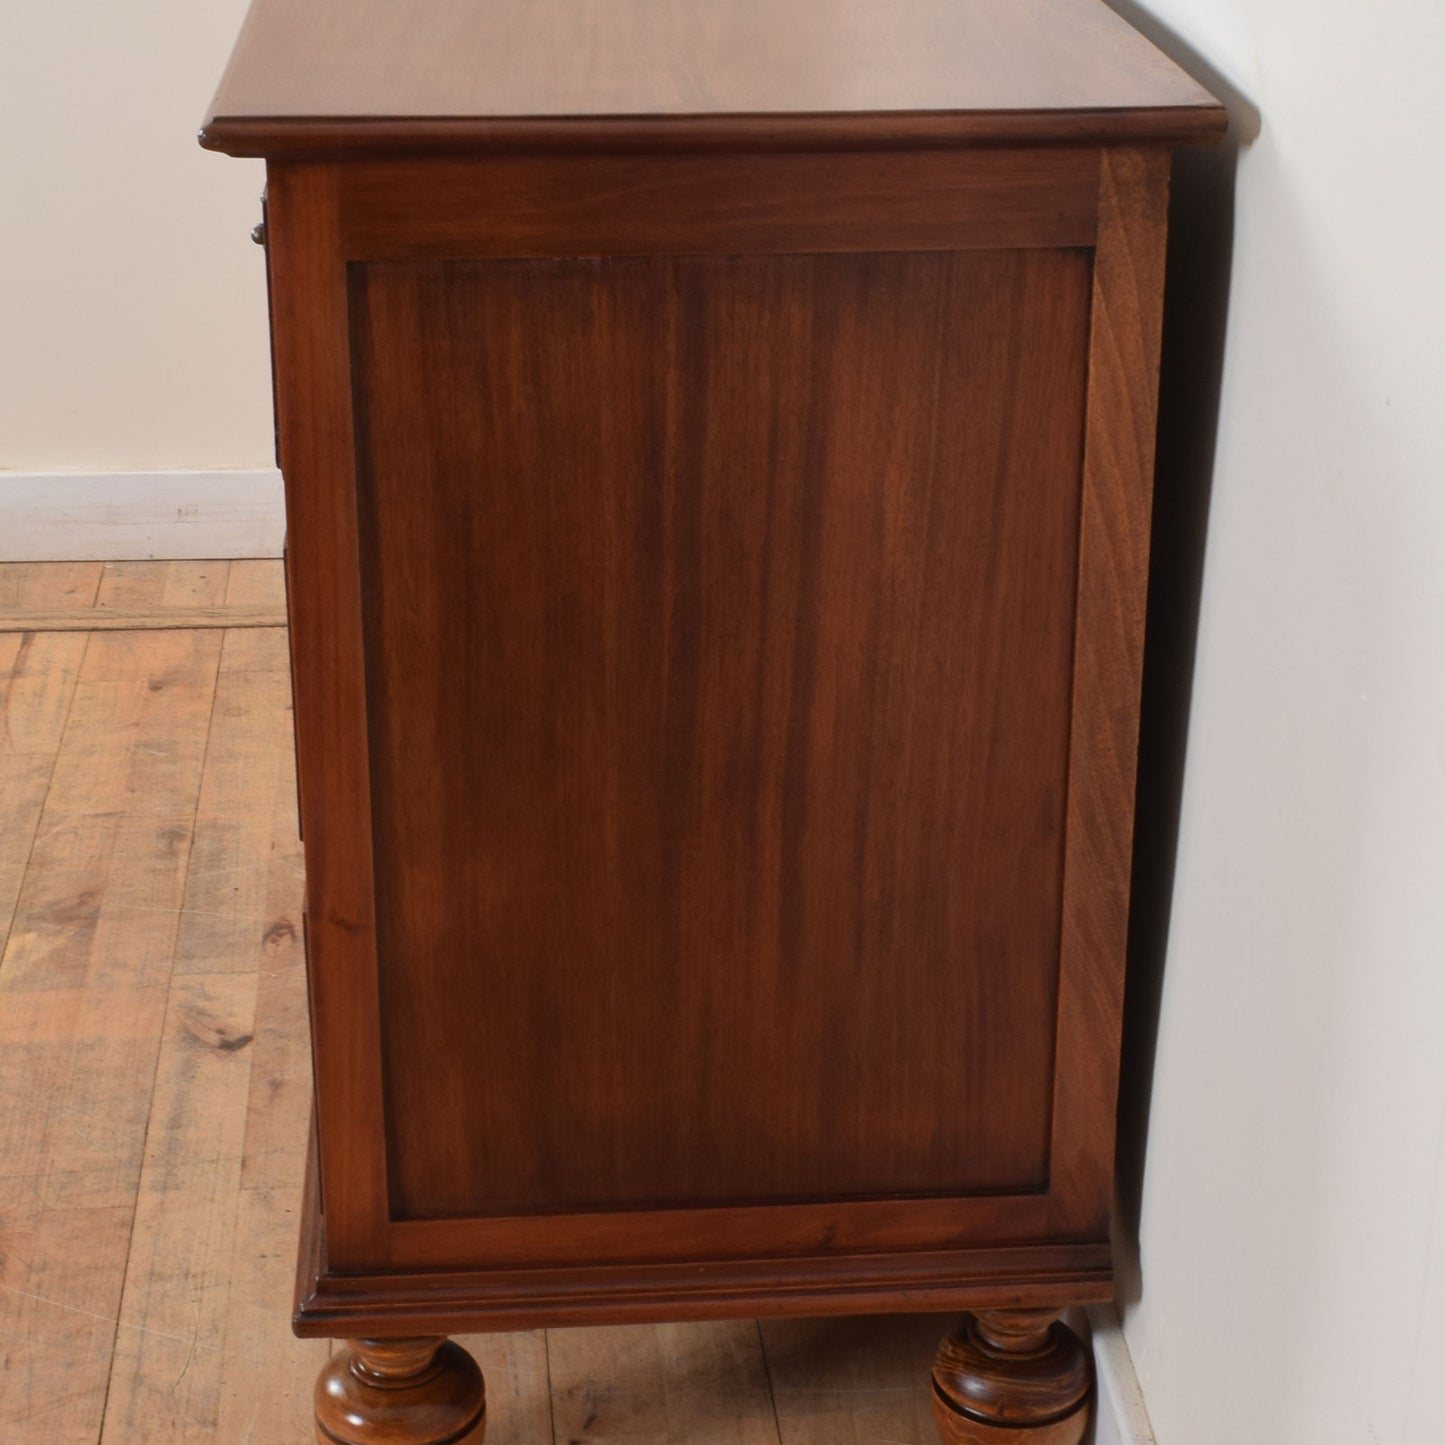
column 332, row 136
column 698, row 71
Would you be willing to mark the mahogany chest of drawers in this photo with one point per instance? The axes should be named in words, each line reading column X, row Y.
column 718, row 452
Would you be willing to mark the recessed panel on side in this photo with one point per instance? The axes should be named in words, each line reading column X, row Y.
column 719, row 619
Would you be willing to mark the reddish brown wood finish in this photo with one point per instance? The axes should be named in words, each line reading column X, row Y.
column 421, row 1391
column 366, row 1230
column 1108, row 665
column 313, row 382
column 336, row 76
column 717, row 560
column 1007, row 1377
column 332, row 360
column 396, row 1243
column 719, row 715
column 688, row 205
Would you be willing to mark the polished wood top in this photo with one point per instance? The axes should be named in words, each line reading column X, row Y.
column 319, row 76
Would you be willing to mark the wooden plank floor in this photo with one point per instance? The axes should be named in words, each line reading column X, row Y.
column 154, row 1076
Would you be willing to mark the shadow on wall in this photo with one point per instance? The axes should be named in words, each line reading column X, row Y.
column 1201, row 241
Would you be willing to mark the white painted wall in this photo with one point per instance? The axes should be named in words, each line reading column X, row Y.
column 1293, row 1208
column 132, row 307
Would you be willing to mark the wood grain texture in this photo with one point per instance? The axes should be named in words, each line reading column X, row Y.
column 855, row 1381
column 701, row 1384
column 1109, row 657
column 175, row 1323
column 457, row 1299
column 312, row 357
column 619, row 72
column 247, row 1379
column 519, row 1400
column 687, row 205
column 745, row 687
column 39, row 677
column 1004, row 1375
column 27, row 585
column 244, row 885
column 82, row 997
column 111, row 849
column 424, row 1391
column 716, row 583
column 139, row 619
column 153, row 586
column 203, row 1350
column 955, row 1429
column 733, row 1232
column 256, row 582
column 139, row 596
column 197, row 1226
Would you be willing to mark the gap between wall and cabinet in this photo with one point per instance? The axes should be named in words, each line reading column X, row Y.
column 140, row 516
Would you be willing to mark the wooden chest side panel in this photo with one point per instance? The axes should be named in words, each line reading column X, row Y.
column 719, row 621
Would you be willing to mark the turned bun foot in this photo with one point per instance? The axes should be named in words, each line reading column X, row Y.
column 1012, row 1377
column 401, row 1392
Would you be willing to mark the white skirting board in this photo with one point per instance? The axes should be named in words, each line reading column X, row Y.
column 133, row 516
column 1119, row 1414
